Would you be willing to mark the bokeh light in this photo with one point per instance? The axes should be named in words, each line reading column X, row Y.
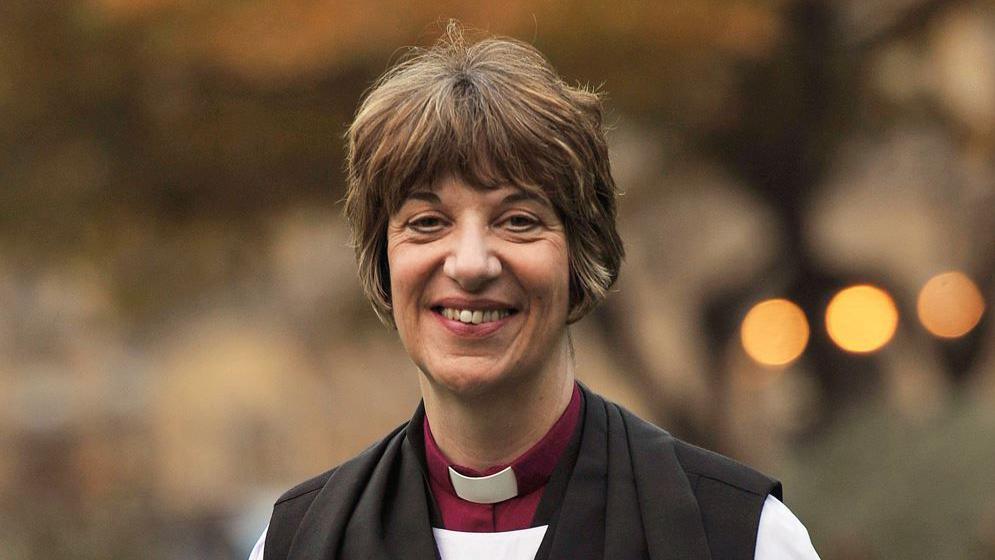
column 774, row 332
column 950, row 305
column 861, row 318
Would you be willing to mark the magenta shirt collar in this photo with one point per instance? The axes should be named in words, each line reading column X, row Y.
column 532, row 469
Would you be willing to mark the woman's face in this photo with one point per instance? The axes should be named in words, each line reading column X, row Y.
column 479, row 283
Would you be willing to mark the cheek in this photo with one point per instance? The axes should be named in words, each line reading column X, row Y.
column 410, row 270
column 550, row 277
column 399, row 275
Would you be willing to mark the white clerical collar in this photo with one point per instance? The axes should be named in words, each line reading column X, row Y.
column 489, row 489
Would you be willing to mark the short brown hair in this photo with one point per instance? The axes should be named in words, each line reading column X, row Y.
column 493, row 112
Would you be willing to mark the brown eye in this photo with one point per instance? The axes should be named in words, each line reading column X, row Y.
column 520, row 223
column 426, row 224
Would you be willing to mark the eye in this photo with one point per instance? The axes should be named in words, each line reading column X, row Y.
column 426, row 224
column 520, row 223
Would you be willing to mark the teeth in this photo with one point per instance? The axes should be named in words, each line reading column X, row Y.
column 475, row 317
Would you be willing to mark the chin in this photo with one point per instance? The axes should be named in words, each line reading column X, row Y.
column 468, row 382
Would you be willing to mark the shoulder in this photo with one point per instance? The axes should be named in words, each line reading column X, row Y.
column 288, row 511
column 701, row 463
column 308, row 488
column 730, row 496
column 293, row 505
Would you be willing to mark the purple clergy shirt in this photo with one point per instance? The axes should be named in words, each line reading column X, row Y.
column 532, row 471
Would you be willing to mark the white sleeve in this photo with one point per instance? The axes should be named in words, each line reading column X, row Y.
column 257, row 551
column 781, row 536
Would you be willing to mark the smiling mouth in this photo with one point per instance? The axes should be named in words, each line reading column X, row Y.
column 474, row 316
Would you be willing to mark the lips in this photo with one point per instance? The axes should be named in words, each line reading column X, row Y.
column 474, row 317
column 466, row 316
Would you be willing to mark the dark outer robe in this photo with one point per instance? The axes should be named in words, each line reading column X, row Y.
column 625, row 489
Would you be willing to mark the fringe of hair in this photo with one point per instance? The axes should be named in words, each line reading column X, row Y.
column 493, row 112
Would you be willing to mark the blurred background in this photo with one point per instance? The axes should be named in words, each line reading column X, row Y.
column 809, row 214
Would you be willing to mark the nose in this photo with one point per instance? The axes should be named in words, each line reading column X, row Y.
column 472, row 263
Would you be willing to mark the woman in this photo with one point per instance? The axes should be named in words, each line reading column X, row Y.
column 483, row 209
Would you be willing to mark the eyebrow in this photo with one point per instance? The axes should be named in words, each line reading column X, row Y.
column 524, row 195
column 517, row 196
column 427, row 196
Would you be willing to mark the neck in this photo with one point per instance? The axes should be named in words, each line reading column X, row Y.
column 497, row 425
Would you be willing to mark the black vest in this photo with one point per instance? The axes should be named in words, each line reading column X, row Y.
column 664, row 498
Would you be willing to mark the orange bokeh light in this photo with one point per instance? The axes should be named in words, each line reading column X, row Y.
column 950, row 305
column 774, row 332
column 861, row 318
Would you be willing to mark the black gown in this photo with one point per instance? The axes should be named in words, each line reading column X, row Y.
column 624, row 489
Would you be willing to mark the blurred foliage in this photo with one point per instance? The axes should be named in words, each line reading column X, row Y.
column 879, row 481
